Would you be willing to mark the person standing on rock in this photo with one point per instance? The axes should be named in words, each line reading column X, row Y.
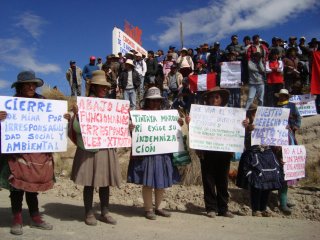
column 22, row 173
column 153, row 172
column 215, row 165
column 95, row 167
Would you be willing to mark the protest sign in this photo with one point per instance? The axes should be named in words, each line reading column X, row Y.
column 270, row 127
column 104, row 122
column 230, row 74
column 305, row 103
column 294, row 158
column 216, row 128
column 156, row 132
column 121, row 42
column 33, row 125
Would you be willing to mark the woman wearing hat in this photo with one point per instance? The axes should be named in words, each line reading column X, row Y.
column 95, row 167
column 185, row 63
column 215, row 165
column 20, row 180
column 153, row 172
column 294, row 124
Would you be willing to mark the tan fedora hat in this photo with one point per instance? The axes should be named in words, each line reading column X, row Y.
column 99, row 78
column 283, row 92
column 153, row 93
column 130, row 62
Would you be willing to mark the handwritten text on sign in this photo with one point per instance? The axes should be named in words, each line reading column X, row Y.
column 230, row 74
column 270, row 127
column 156, row 132
column 33, row 125
column 216, row 128
column 294, row 158
column 305, row 103
column 104, row 122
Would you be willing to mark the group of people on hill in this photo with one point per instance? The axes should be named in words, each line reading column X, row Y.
column 265, row 69
column 99, row 168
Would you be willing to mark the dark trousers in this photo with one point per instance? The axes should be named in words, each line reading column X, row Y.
column 259, row 199
column 214, row 170
column 16, row 198
column 104, row 193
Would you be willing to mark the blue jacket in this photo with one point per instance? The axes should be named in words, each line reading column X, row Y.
column 88, row 69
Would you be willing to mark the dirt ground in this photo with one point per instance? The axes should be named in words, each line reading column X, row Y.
column 66, row 215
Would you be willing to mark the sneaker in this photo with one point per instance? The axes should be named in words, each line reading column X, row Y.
column 150, row 215
column 90, row 220
column 106, row 218
column 226, row 214
column 256, row 214
column 37, row 222
column 162, row 213
column 266, row 213
column 286, row 210
column 16, row 227
column 211, row 214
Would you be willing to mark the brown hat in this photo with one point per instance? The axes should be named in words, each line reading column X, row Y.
column 99, row 78
column 224, row 93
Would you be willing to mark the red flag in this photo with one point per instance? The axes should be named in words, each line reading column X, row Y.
column 202, row 82
column 315, row 75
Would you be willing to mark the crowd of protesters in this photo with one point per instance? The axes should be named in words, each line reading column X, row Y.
column 265, row 69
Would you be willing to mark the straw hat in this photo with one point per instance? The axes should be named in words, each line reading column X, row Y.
column 130, row 62
column 27, row 77
column 153, row 93
column 99, row 78
column 283, row 92
column 224, row 93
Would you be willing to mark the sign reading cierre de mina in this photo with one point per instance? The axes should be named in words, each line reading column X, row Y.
column 33, row 125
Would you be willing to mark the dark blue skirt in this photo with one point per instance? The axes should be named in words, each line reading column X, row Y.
column 156, row 171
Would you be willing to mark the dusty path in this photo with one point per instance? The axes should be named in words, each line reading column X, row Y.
column 66, row 215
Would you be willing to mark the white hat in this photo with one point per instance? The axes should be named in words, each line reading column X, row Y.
column 284, row 92
column 153, row 93
column 139, row 54
column 184, row 49
column 130, row 62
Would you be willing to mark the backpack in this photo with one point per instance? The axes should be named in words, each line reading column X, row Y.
column 173, row 82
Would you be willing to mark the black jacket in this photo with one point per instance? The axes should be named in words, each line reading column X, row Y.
column 123, row 79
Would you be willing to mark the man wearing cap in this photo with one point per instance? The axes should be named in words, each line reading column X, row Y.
column 256, row 46
column 141, row 68
column 174, row 54
column 276, row 46
column 129, row 82
column 87, row 71
column 205, row 54
column 236, row 48
column 74, row 77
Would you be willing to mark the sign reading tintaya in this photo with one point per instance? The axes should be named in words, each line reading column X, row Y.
column 122, row 42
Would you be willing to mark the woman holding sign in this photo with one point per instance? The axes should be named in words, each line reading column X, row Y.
column 95, row 167
column 215, row 165
column 26, row 173
column 153, row 172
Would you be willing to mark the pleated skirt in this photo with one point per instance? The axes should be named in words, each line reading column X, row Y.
column 156, row 171
column 97, row 169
